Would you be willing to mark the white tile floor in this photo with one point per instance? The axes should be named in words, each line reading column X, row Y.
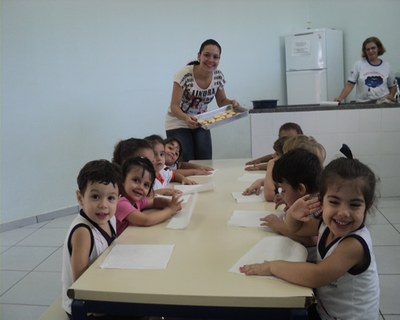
column 30, row 264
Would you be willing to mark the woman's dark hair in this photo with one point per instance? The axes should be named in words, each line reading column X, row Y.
column 381, row 48
column 203, row 45
column 343, row 169
column 125, row 149
column 101, row 171
column 142, row 162
column 298, row 166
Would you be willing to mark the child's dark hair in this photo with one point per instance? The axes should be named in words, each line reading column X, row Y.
column 125, row 149
column 298, row 166
column 101, row 171
column 342, row 169
column 291, row 126
column 173, row 139
column 142, row 162
column 278, row 145
column 154, row 139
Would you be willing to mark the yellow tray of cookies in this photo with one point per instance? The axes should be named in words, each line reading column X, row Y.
column 221, row 116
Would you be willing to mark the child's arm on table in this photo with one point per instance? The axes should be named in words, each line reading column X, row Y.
column 262, row 159
column 188, row 165
column 348, row 254
column 193, row 172
column 182, row 179
column 255, row 187
column 166, row 208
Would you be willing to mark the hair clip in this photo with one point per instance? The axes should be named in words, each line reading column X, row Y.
column 346, row 151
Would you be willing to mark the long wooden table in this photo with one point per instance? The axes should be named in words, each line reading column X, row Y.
column 196, row 282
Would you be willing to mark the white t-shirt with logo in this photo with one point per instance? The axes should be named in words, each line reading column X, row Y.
column 372, row 81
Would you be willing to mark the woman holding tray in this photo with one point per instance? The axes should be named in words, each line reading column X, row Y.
column 195, row 86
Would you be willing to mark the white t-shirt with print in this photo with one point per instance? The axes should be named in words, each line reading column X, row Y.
column 372, row 81
column 195, row 100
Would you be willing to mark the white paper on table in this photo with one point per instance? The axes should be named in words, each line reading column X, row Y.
column 193, row 188
column 251, row 177
column 272, row 248
column 250, row 219
column 240, row 198
column 183, row 197
column 138, row 256
column 182, row 219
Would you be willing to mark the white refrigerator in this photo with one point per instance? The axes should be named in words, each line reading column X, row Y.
column 314, row 66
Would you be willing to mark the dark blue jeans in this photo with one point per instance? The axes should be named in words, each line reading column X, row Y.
column 196, row 143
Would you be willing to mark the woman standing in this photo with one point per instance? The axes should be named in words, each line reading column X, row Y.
column 195, row 86
column 373, row 77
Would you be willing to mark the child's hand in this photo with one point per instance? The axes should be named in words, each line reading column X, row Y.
column 274, row 222
column 303, row 208
column 260, row 269
column 255, row 188
column 188, row 181
column 175, row 204
column 206, row 168
column 201, row 172
column 278, row 201
column 256, row 167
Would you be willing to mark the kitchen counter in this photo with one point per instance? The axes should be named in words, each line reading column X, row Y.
column 317, row 107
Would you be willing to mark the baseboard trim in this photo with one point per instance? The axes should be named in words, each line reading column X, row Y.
column 7, row 226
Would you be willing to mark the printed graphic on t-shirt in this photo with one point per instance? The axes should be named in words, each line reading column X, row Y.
column 373, row 81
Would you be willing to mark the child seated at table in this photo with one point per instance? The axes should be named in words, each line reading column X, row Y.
column 134, row 147
column 290, row 143
column 288, row 129
column 296, row 174
column 94, row 229
column 345, row 277
column 164, row 175
column 256, row 186
column 173, row 151
column 138, row 176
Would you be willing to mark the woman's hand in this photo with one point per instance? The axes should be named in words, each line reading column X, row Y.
column 192, row 122
column 235, row 103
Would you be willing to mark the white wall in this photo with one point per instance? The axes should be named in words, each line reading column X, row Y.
column 78, row 75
